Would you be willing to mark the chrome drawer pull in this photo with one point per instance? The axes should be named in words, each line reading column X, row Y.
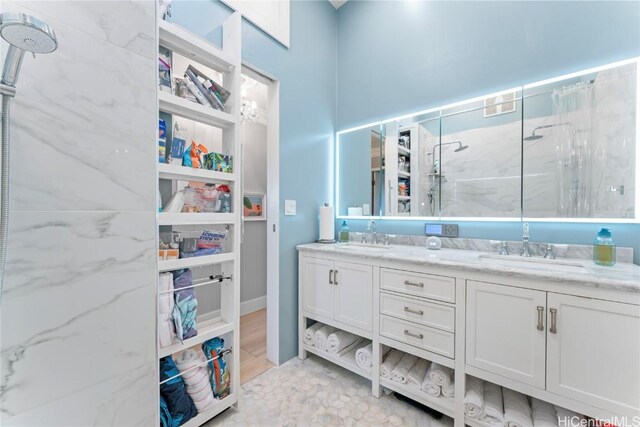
column 419, row 285
column 554, row 320
column 335, row 277
column 410, row 310
column 330, row 276
column 419, row 336
column 540, row 316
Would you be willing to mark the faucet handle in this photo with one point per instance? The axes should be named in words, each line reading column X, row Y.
column 549, row 252
column 363, row 238
column 386, row 240
column 504, row 248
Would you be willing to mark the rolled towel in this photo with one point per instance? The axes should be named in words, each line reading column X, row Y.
column 473, row 398
column 428, row 386
column 493, row 412
column 450, row 390
column 401, row 371
column 441, row 375
column 339, row 340
column 166, row 327
column 543, row 414
column 310, row 332
column 418, row 372
column 321, row 336
column 517, row 412
column 390, row 362
column 567, row 417
column 364, row 356
column 196, row 378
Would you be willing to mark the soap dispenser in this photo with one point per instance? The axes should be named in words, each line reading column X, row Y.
column 604, row 249
column 344, row 232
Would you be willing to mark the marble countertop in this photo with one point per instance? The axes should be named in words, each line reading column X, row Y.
column 621, row 277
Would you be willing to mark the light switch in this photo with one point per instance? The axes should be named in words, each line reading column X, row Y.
column 289, row 207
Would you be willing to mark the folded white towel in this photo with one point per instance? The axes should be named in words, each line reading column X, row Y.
column 166, row 327
column 339, row 340
column 441, row 375
column 418, row 372
column 364, row 356
column 428, row 386
column 473, row 397
column 400, row 372
column 196, row 380
column 450, row 390
column 517, row 412
column 567, row 417
column 321, row 336
column 493, row 412
column 543, row 414
column 310, row 332
column 390, row 362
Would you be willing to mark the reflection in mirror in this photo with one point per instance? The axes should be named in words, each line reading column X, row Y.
column 360, row 172
column 580, row 146
column 478, row 158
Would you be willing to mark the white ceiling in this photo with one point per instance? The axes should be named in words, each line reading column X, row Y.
column 337, row 3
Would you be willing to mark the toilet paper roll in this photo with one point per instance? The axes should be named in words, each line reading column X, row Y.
column 327, row 231
column 354, row 211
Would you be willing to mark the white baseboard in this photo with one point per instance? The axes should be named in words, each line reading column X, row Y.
column 253, row 305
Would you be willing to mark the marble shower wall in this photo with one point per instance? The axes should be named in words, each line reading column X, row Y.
column 78, row 312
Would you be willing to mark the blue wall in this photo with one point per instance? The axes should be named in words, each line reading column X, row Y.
column 399, row 57
column 307, row 74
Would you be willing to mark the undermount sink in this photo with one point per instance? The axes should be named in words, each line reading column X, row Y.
column 360, row 246
column 525, row 262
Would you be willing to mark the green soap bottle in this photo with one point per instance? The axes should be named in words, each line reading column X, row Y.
column 344, row 232
column 604, row 249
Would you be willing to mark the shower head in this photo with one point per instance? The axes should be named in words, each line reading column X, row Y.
column 533, row 137
column 457, row 150
column 23, row 33
column 461, row 148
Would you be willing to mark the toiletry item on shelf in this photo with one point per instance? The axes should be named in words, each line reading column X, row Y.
column 604, row 249
column 164, row 69
column 188, row 245
column 181, row 89
column 167, row 254
column 355, row 211
column 219, row 375
column 176, row 203
column 193, row 156
column 215, row 94
column 178, row 143
column 327, row 225
column 208, row 198
column 159, row 201
column 344, row 232
column 218, row 162
column 162, row 140
column 196, row 92
column 434, row 243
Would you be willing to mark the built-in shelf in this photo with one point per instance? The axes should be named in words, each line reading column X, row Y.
column 196, row 261
column 218, row 407
column 173, row 104
column 403, row 150
column 404, row 174
column 441, row 404
column 206, row 330
column 178, row 39
column 181, row 218
column 183, row 173
column 404, row 197
column 346, row 362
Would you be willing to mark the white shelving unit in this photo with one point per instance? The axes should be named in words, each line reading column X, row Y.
column 226, row 61
column 393, row 151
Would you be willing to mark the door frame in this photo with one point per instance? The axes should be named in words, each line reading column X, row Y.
column 273, row 211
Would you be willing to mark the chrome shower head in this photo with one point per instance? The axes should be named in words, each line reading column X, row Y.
column 533, row 137
column 23, row 33
column 461, row 148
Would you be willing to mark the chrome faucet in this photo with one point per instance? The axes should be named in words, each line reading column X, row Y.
column 548, row 252
column 504, row 248
column 525, row 252
column 371, row 226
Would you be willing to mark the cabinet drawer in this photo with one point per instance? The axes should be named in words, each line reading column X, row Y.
column 424, row 285
column 423, row 337
column 437, row 316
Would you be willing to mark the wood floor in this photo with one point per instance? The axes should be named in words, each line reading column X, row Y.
column 253, row 345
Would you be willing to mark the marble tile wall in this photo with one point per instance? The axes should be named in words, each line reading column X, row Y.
column 78, row 311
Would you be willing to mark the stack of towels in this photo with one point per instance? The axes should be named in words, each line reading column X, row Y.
column 499, row 406
column 432, row 378
column 340, row 343
column 191, row 363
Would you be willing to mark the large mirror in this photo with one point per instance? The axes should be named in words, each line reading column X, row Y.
column 563, row 148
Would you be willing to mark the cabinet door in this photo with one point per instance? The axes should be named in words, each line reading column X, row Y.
column 505, row 331
column 317, row 291
column 593, row 352
column 354, row 295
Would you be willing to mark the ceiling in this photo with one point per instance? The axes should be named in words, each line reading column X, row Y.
column 337, row 3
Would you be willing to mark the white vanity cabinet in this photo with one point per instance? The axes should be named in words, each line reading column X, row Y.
column 580, row 348
column 338, row 291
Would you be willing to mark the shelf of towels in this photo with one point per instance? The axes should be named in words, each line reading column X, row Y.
column 489, row 405
column 343, row 348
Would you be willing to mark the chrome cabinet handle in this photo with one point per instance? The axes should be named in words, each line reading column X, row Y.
column 554, row 320
column 419, row 285
column 335, row 277
column 410, row 310
column 330, row 279
column 419, row 336
column 540, row 320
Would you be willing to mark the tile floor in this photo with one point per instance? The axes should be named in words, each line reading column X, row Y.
column 315, row 392
column 253, row 345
